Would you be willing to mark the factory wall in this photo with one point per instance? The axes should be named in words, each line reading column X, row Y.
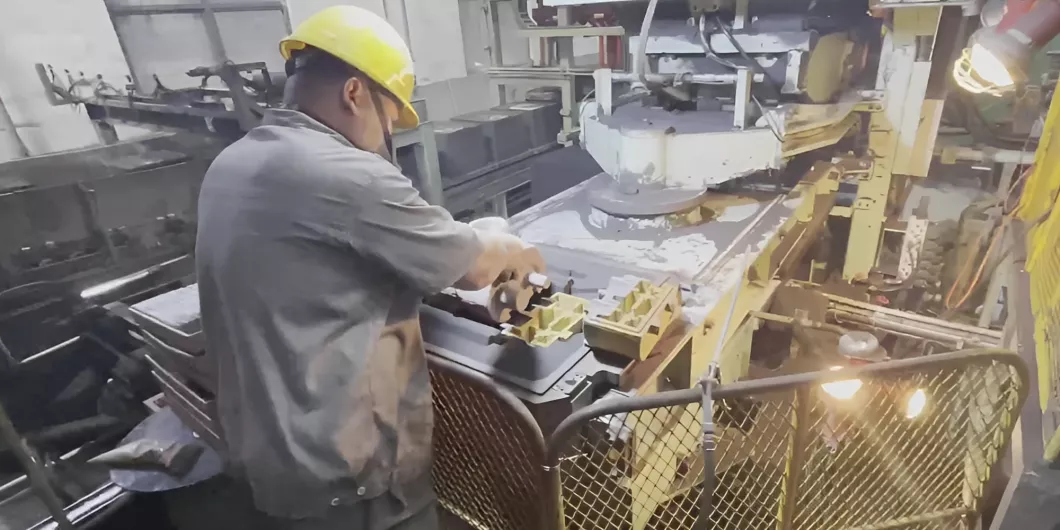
column 74, row 34
column 448, row 38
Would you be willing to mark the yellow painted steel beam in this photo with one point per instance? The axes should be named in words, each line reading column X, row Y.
column 893, row 132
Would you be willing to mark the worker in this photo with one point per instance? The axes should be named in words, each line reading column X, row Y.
column 313, row 255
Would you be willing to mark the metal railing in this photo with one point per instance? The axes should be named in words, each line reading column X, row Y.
column 488, row 451
column 912, row 448
column 787, row 453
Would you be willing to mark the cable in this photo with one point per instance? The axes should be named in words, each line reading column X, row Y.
column 711, row 54
column 974, row 282
column 769, row 119
column 1008, row 193
column 641, row 65
column 1007, row 214
column 754, row 64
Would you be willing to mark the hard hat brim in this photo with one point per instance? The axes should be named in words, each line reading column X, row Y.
column 408, row 118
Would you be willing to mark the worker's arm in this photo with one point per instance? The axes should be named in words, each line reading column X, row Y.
column 420, row 242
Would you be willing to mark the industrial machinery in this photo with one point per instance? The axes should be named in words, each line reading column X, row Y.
column 683, row 369
column 116, row 224
column 744, row 133
column 738, row 327
column 81, row 230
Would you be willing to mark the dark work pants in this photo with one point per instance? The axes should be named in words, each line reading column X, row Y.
column 226, row 504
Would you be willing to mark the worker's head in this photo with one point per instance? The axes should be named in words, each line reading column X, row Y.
column 350, row 69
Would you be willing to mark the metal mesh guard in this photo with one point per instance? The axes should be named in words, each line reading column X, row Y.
column 488, row 452
column 791, row 456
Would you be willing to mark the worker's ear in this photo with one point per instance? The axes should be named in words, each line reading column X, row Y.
column 355, row 96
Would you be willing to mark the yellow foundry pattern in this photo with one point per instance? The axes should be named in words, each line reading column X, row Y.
column 559, row 320
column 639, row 319
column 790, row 457
column 1037, row 209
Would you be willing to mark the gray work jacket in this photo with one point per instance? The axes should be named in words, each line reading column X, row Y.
column 312, row 259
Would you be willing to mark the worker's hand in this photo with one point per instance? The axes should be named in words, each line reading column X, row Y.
column 503, row 256
column 522, row 262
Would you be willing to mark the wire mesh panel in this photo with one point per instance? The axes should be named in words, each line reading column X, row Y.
column 488, row 452
column 913, row 447
column 905, row 444
column 644, row 469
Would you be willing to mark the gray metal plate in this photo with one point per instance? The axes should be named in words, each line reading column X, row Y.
column 651, row 247
column 165, row 426
column 178, row 309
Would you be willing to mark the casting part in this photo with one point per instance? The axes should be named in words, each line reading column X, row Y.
column 631, row 315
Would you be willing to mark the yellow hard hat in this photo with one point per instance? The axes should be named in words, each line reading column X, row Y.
column 365, row 41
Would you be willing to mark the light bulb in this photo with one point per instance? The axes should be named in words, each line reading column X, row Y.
column 987, row 66
column 916, row 404
column 842, row 390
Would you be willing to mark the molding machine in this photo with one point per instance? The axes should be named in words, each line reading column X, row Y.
column 735, row 328
column 740, row 130
column 752, row 157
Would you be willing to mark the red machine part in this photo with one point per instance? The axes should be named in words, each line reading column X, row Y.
column 1039, row 20
column 610, row 48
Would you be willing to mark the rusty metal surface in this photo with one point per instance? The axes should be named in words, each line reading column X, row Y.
column 790, row 456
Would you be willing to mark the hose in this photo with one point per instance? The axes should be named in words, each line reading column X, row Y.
column 743, row 53
column 640, row 66
column 711, row 54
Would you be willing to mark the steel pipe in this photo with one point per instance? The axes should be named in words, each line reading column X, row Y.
column 804, row 322
column 11, row 144
column 640, row 64
column 684, row 78
column 35, row 471
column 884, row 323
column 989, row 154
column 536, row 72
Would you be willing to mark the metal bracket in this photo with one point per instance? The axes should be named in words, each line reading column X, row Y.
column 850, row 165
column 705, row 6
column 912, row 243
column 863, row 203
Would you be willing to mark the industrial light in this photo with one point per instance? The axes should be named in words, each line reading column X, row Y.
column 995, row 63
column 997, row 60
column 916, row 404
column 112, row 285
column 842, row 390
